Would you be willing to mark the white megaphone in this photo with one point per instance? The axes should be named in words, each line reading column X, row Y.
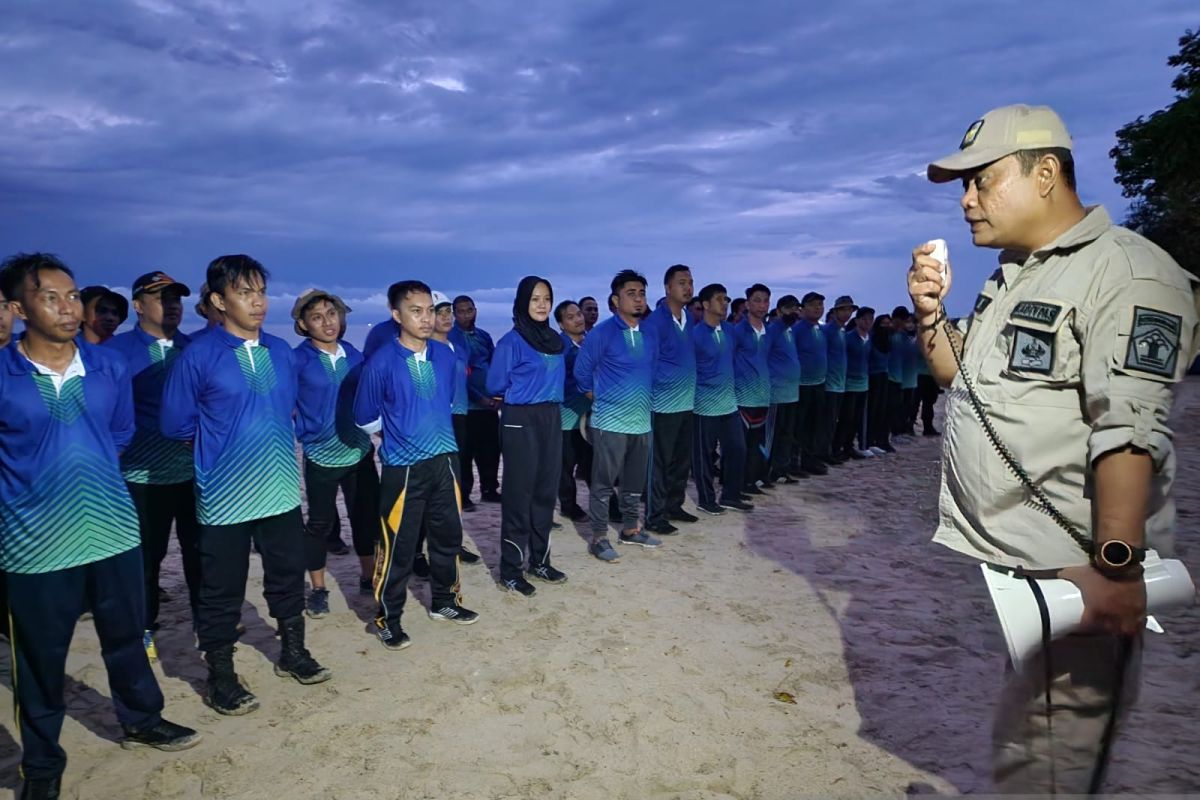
column 1168, row 585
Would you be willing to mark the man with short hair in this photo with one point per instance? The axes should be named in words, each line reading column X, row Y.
column 835, row 377
column 68, row 529
column 210, row 313
column 6, row 321
column 405, row 393
column 810, row 407
column 575, row 405
column 483, row 417
column 853, row 420
column 752, row 385
column 1072, row 352
column 158, row 470
column 898, row 356
column 615, row 366
column 717, row 421
column 784, row 366
column 591, row 312
column 103, row 312
column 337, row 454
column 673, row 395
column 232, row 394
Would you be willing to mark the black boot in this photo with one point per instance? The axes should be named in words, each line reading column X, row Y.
column 41, row 788
column 225, row 693
column 294, row 659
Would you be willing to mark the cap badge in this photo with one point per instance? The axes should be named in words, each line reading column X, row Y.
column 972, row 132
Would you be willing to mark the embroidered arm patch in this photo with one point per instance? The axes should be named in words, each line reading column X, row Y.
column 1032, row 351
column 1154, row 342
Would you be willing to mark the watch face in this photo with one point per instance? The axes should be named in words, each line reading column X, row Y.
column 1116, row 554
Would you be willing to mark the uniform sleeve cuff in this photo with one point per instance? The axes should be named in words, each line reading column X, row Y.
column 1105, row 441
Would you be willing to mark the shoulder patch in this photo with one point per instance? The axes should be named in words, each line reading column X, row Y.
column 1154, row 342
column 1033, row 311
column 1032, row 351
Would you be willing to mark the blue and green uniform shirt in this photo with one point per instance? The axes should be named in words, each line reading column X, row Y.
column 235, row 404
column 575, row 403
column 858, row 357
column 783, row 362
column 835, row 357
column 151, row 458
column 877, row 361
column 896, row 357
column 714, row 369
column 523, row 376
column 751, row 370
column 616, row 364
column 479, row 358
column 410, row 396
column 674, row 386
column 63, row 500
column 380, row 334
column 458, row 342
column 813, row 353
column 325, row 405
column 912, row 358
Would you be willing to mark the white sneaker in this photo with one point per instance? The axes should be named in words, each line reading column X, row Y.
column 877, row 451
column 865, row 453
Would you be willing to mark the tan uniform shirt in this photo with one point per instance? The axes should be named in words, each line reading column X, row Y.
column 1074, row 351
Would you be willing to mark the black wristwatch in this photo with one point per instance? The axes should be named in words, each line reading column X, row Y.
column 1117, row 559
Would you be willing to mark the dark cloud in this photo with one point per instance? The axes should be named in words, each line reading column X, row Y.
column 471, row 143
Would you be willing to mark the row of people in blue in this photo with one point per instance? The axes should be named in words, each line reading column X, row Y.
column 106, row 448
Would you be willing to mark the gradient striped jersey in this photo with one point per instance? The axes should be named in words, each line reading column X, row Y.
column 575, row 403
column 714, row 369
column 674, row 386
column 63, row 501
column 877, row 361
column 897, row 356
column 479, row 357
column 783, row 362
column 151, row 458
column 523, row 376
column 616, row 364
column 326, row 383
column 410, row 395
column 235, row 403
column 458, row 343
column 909, row 364
column 858, row 358
column 814, row 356
column 835, row 353
column 751, row 370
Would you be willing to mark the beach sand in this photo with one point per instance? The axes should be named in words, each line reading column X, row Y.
column 667, row 675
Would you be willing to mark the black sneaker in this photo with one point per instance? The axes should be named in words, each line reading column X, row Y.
column 518, row 585
column 663, row 527
column 575, row 514
column 548, row 574
column 752, row 489
column 468, row 505
column 41, row 788
column 317, row 605
column 465, row 556
column 391, row 635
column 815, row 467
column 931, row 431
column 711, row 508
column 798, row 473
column 366, row 586
column 165, row 736
column 490, row 497
column 454, row 613
column 420, row 567
column 680, row 515
column 738, row 505
column 766, row 483
column 337, row 547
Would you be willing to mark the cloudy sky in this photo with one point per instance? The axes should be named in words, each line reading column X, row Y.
column 349, row 144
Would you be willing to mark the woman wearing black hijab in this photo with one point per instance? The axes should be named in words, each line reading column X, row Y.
column 527, row 372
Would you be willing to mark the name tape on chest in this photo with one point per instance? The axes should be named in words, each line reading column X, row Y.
column 1034, row 311
column 1153, row 342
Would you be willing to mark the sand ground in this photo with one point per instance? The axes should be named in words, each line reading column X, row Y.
column 658, row 677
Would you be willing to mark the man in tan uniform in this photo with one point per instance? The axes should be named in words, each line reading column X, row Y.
column 1073, row 347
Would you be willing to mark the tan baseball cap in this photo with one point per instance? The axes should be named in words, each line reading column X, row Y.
column 1001, row 132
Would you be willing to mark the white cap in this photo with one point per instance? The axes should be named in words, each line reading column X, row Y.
column 440, row 299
